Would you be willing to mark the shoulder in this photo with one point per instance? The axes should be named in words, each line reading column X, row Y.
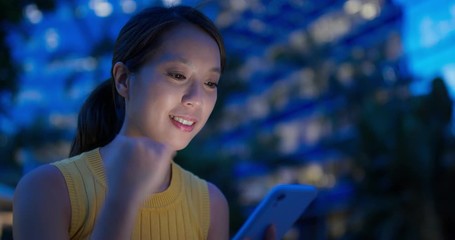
column 44, row 179
column 219, row 213
column 217, row 197
column 213, row 204
column 41, row 194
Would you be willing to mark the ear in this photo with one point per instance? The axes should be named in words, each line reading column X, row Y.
column 121, row 76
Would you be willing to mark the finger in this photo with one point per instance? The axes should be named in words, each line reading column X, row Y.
column 271, row 232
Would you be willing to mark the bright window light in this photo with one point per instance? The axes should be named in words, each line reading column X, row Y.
column 352, row 6
column 128, row 6
column 369, row 11
column 101, row 8
column 33, row 14
column 170, row 3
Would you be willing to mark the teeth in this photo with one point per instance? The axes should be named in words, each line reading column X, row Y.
column 182, row 121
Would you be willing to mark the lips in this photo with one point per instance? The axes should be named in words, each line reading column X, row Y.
column 185, row 124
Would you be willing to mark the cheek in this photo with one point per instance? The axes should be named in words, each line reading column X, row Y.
column 155, row 89
column 211, row 101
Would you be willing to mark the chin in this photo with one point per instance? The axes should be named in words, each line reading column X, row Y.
column 178, row 141
column 177, row 146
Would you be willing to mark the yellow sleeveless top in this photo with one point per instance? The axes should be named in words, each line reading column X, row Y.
column 182, row 211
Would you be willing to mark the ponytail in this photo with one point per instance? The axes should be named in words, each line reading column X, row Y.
column 100, row 119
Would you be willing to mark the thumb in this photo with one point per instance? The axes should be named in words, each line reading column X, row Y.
column 271, row 232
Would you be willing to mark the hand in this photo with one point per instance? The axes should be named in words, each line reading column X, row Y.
column 135, row 167
column 269, row 233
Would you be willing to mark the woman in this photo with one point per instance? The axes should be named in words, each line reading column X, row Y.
column 120, row 181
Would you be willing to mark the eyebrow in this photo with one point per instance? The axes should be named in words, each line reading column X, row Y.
column 171, row 58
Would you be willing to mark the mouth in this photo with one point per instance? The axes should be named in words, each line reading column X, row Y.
column 183, row 124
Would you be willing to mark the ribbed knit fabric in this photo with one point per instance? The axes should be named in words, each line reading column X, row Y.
column 182, row 211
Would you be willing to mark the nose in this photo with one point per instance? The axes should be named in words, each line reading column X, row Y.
column 193, row 95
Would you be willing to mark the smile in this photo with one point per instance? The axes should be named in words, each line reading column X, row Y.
column 182, row 121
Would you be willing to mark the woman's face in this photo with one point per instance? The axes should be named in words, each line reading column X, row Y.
column 171, row 97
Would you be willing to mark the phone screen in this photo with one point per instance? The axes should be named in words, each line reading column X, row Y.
column 282, row 206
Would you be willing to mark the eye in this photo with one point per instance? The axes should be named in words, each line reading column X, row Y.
column 177, row 76
column 212, row 84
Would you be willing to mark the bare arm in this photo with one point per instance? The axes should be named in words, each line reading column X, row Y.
column 130, row 183
column 41, row 207
column 219, row 214
column 116, row 218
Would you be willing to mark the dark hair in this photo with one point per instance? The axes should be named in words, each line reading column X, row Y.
column 102, row 114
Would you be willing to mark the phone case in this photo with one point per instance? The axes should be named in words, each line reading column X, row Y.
column 282, row 206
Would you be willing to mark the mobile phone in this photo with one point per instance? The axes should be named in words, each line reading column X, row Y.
column 282, row 206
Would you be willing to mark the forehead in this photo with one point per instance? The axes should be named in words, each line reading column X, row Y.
column 186, row 30
column 188, row 39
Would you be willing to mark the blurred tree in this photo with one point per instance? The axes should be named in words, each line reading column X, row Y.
column 35, row 137
column 401, row 145
column 11, row 15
